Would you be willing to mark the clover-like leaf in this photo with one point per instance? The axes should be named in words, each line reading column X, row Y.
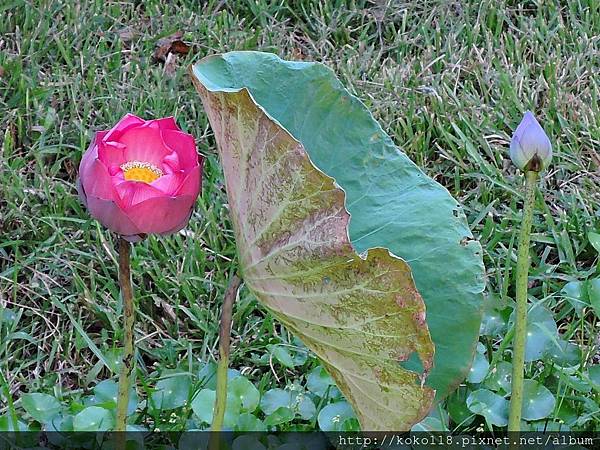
column 542, row 332
column 208, row 375
column 172, row 392
column 456, row 404
column 429, row 424
column 491, row 406
column 594, row 375
column 203, row 405
column 564, row 353
column 575, row 293
column 300, row 155
column 500, row 377
column 479, row 369
column 297, row 402
column 93, row 418
column 249, row 422
column 245, row 391
column 573, row 380
column 594, row 239
column 318, row 381
column 594, row 294
column 107, row 391
column 42, row 407
column 493, row 322
column 282, row 355
column 538, row 401
column 333, row 416
column 279, row 416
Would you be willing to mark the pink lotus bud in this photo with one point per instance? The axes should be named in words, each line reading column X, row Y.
column 141, row 177
column 530, row 148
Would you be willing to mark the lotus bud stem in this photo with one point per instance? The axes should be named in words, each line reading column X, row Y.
column 518, row 361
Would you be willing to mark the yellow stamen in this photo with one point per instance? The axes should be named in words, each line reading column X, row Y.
column 140, row 171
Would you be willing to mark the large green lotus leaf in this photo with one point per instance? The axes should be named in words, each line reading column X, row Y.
column 393, row 204
column 361, row 314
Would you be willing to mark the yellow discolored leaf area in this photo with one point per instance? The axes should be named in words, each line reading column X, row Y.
column 361, row 314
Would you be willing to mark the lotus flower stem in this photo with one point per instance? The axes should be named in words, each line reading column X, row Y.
column 129, row 318
column 518, row 362
column 224, row 340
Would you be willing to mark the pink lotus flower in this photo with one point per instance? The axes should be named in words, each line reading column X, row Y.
column 141, row 177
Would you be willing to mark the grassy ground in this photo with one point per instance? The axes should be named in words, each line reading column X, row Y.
column 448, row 80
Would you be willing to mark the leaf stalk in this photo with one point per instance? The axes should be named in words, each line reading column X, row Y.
column 224, row 344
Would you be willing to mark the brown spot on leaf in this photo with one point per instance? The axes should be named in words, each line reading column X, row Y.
column 419, row 317
column 402, row 355
column 400, row 301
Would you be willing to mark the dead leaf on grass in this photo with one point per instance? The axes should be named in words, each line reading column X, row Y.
column 170, row 64
column 126, row 34
column 170, row 44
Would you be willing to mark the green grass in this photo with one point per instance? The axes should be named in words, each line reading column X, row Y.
column 448, row 80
